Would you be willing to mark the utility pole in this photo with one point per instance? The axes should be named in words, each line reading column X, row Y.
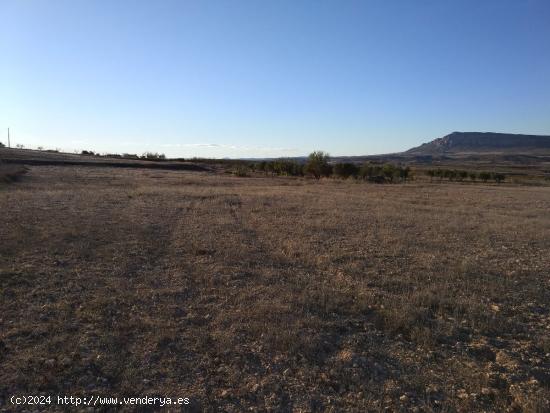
column 9, row 145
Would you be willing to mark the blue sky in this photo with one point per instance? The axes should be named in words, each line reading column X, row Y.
column 270, row 78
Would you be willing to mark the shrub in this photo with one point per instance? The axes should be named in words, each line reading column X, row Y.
column 404, row 173
column 262, row 167
column 389, row 171
column 286, row 167
column 484, row 176
column 369, row 170
column 278, row 167
column 498, row 177
column 383, row 173
column 449, row 174
column 241, row 171
column 345, row 170
column 473, row 176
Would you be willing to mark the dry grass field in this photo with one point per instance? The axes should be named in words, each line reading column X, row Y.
column 274, row 294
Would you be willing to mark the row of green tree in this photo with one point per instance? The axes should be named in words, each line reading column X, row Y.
column 318, row 166
column 459, row 175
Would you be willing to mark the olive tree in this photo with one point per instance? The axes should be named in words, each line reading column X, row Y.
column 317, row 164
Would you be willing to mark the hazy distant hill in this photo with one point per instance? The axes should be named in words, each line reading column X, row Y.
column 484, row 142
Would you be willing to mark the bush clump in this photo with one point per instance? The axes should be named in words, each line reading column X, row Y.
column 381, row 173
column 241, row 171
column 345, row 170
column 279, row 167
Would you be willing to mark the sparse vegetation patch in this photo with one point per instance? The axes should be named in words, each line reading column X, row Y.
column 254, row 295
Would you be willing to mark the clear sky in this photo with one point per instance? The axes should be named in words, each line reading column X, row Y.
column 270, row 78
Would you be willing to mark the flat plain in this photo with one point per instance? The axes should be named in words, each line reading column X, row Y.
column 275, row 294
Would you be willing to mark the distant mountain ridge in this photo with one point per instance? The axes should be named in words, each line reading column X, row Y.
column 483, row 142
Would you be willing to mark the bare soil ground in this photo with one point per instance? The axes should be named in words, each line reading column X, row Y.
column 10, row 156
column 268, row 294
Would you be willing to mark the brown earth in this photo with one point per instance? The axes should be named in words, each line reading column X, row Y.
column 273, row 294
column 11, row 156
